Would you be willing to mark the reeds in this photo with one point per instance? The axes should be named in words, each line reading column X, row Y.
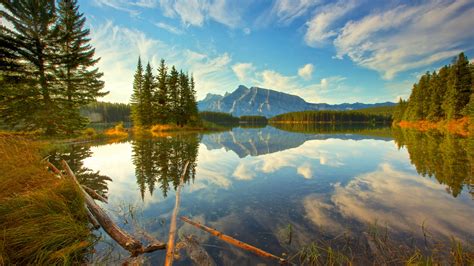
column 42, row 217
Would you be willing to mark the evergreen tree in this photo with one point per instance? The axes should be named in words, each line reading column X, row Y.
column 173, row 89
column 161, row 102
column 192, row 103
column 136, row 100
column 183, row 99
column 34, row 46
column 146, row 97
column 459, row 88
column 438, row 90
column 81, row 85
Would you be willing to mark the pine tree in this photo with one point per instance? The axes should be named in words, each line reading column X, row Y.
column 136, row 100
column 459, row 88
column 161, row 96
column 192, row 103
column 34, row 44
column 146, row 97
column 81, row 85
column 183, row 99
column 173, row 90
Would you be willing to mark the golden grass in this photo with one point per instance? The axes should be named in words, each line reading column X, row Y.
column 42, row 217
column 118, row 131
column 462, row 126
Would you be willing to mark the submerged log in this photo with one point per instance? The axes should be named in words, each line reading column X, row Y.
column 195, row 251
column 125, row 240
column 171, row 235
column 233, row 241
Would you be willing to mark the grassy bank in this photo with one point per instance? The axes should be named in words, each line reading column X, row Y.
column 42, row 217
column 463, row 126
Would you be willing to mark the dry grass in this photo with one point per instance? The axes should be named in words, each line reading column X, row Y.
column 42, row 217
column 460, row 126
column 118, row 131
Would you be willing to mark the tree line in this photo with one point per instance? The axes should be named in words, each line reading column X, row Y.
column 446, row 94
column 46, row 66
column 330, row 117
column 105, row 112
column 168, row 97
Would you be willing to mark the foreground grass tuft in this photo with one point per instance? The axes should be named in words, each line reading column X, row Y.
column 42, row 217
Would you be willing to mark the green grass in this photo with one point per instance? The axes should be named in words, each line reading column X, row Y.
column 42, row 218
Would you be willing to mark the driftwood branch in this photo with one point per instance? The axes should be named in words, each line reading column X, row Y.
column 92, row 219
column 125, row 240
column 233, row 241
column 94, row 194
column 170, row 249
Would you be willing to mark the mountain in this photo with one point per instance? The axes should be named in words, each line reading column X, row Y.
column 265, row 102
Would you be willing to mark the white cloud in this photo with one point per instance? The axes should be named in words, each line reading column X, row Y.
column 319, row 27
column 408, row 37
column 119, row 48
column 196, row 12
column 404, row 201
column 243, row 71
column 306, row 71
column 289, row 10
column 169, row 28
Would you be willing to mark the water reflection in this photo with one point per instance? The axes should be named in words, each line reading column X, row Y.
column 74, row 155
column 448, row 158
column 160, row 161
column 253, row 183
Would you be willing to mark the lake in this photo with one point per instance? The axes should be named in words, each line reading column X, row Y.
column 280, row 189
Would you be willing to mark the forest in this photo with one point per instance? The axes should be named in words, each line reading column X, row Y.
column 105, row 112
column 47, row 67
column 165, row 98
column 445, row 94
column 330, row 117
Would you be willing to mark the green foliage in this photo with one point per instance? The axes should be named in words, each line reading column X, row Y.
column 169, row 99
column 439, row 96
column 46, row 66
column 330, row 117
column 105, row 112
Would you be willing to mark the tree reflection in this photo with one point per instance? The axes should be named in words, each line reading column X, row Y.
column 160, row 161
column 448, row 158
column 74, row 155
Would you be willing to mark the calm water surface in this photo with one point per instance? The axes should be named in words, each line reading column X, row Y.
column 254, row 183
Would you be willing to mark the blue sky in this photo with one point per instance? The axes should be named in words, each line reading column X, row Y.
column 323, row 51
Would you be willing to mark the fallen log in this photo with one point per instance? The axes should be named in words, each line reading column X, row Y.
column 125, row 240
column 94, row 194
column 233, row 241
column 171, row 235
column 92, row 219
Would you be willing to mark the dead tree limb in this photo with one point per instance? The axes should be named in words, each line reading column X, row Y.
column 94, row 194
column 233, row 241
column 54, row 169
column 125, row 240
column 171, row 235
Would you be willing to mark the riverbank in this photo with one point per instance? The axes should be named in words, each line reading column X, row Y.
column 463, row 126
column 42, row 217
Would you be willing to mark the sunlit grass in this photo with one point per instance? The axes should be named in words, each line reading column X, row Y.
column 42, row 217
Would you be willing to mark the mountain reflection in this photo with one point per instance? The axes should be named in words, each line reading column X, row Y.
column 74, row 155
column 259, row 141
column 160, row 161
column 448, row 158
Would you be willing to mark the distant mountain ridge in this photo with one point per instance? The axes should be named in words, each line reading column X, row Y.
column 265, row 102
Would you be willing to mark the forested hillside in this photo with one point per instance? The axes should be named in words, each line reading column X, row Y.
column 105, row 112
column 445, row 94
column 330, row 117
